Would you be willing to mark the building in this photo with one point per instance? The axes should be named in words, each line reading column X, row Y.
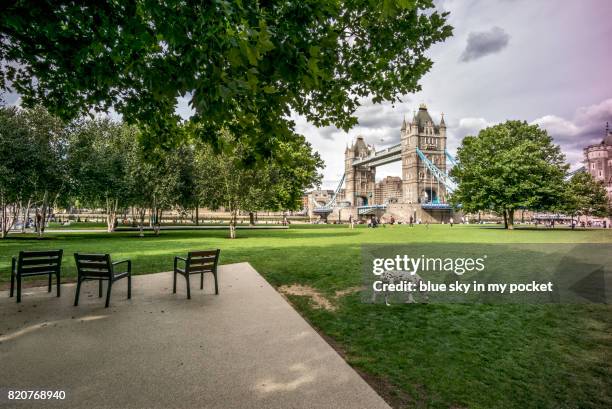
column 598, row 161
column 421, row 191
column 320, row 197
column 388, row 190
column 360, row 179
column 419, row 185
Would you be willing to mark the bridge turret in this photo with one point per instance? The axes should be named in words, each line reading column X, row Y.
column 359, row 181
column 417, row 183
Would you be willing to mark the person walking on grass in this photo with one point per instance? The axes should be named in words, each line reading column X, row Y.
column 411, row 221
column 351, row 222
column 451, row 221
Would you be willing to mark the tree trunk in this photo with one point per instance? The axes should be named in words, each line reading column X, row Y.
column 111, row 214
column 26, row 215
column 510, row 219
column 505, row 219
column 43, row 215
column 197, row 214
column 142, row 211
column 158, row 220
column 3, row 229
column 232, row 227
column 251, row 218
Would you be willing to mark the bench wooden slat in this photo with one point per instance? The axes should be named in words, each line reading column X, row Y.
column 93, row 265
column 41, row 261
column 38, row 269
column 204, row 253
column 198, row 261
column 200, row 265
column 34, row 254
column 90, row 257
column 94, row 273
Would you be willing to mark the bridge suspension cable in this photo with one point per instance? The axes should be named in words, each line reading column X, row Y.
column 440, row 176
column 450, row 158
column 572, row 173
column 327, row 207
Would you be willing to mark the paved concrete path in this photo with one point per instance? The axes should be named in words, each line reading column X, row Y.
column 245, row 348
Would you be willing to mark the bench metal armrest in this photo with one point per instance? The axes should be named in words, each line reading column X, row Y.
column 176, row 259
column 129, row 265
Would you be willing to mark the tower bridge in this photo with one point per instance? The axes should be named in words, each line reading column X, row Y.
column 422, row 191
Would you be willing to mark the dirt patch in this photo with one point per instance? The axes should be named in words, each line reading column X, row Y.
column 350, row 290
column 303, row 290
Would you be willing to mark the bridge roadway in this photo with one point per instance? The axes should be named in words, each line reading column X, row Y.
column 382, row 157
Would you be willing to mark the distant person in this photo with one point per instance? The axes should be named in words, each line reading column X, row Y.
column 451, row 221
column 411, row 221
column 392, row 221
column 351, row 222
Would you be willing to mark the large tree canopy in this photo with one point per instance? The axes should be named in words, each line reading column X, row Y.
column 277, row 183
column 584, row 196
column 509, row 166
column 245, row 64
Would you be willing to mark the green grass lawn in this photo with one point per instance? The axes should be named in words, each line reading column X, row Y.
column 428, row 355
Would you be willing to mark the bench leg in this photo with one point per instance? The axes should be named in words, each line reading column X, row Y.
column 188, row 289
column 129, row 277
column 108, row 293
column 18, row 288
column 49, row 286
column 174, row 283
column 78, row 291
column 201, row 281
column 216, row 283
column 57, row 284
column 99, row 288
column 12, row 283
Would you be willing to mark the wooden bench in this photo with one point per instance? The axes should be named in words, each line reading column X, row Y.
column 36, row 263
column 197, row 262
column 100, row 267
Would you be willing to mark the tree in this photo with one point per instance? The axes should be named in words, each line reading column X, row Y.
column 185, row 190
column 584, row 195
column 152, row 182
column 509, row 166
column 245, row 65
column 49, row 140
column 33, row 170
column 16, row 171
column 276, row 183
column 98, row 165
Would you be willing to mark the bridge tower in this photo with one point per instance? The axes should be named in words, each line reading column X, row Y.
column 418, row 184
column 360, row 179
